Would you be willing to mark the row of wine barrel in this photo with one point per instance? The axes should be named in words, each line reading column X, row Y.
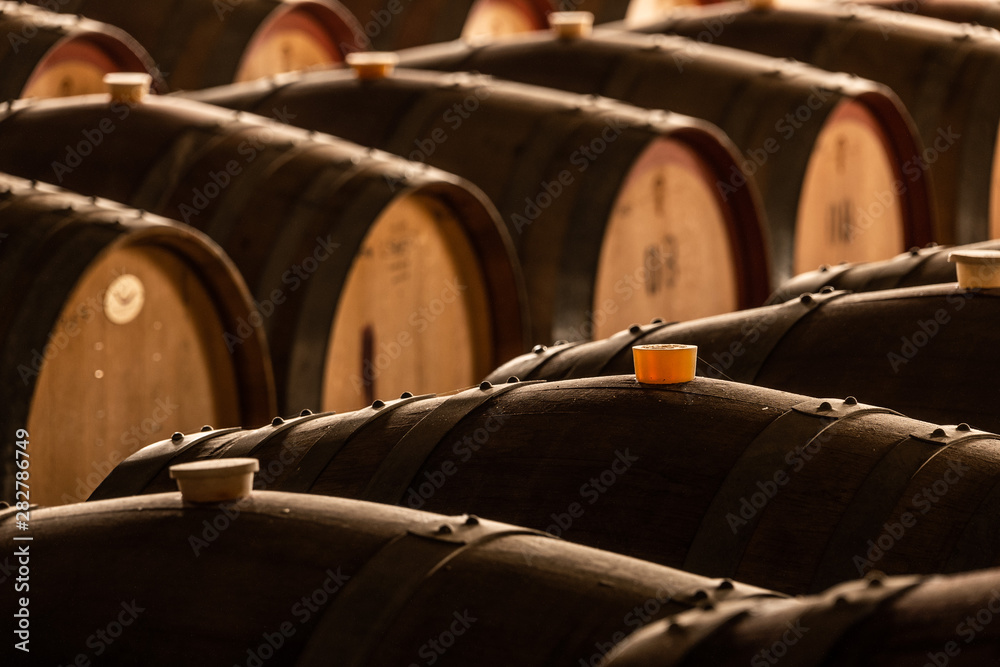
column 942, row 71
column 375, row 585
column 284, row 579
column 53, row 52
column 715, row 477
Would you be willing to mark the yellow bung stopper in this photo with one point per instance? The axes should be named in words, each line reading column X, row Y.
column 571, row 25
column 977, row 268
column 665, row 364
column 128, row 87
column 215, row 480
column 372, row 64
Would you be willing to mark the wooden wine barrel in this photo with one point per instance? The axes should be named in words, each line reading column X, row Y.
column 919, row 266
column 976, row 12
column 199, row 44
column 880, row 622
column 925, row 351
column 614, row 210
column 49, row 55
column 399, row 24
column 283, row 579
column 371, row 274
column 825, row 149
column 714, row 477
column 112, row 336
column 942, row 72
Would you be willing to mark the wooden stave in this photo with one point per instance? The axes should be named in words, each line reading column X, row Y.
column 360, row 185
column 800, row 347
column 588, row 593
column 41, row 220
column 890, row 621
column 613, row 63
column 192, row 65
column 823, row 33
column 19, row 61
column 416, row 100
column 919, row 266
column 512, row 480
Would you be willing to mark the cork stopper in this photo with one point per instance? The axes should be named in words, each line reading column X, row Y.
column 977, row 268
column 215, row 480
column 371, row 65
column 665, row 364
column 571, row 25
column 128, row 87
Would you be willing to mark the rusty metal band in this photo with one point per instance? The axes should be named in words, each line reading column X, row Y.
column 342, row 430
column 878, row 495
column 840, row 610
column 358, row 619
column 248, row 443
column 401, row 465
column 133, row 475
column 718, row 548
column 530, row 366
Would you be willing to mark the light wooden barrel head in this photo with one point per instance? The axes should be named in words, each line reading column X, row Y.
column 75, row 66
column 645, row 11
column 849, row 210
column 290, row 41
column 500, row 18
column 137, row 353
column 413, row 315
column 995, row 192
column 667, row 250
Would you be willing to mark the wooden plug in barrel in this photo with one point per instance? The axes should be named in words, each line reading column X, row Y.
column 199, row 44
column 826, row 150
column 919, row 266
column 614, row 210
column 718, row 478
column 941, row 71
column 112, row 335
column 370, row 274
column 283, row 579
column 49, row 55
column 877, row 622
column 925, row 351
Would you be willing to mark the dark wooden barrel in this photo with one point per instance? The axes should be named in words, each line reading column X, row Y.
column 942, row 71
column 977, row 12
column 613, row 209
column 399, row 24
column 925, row 351
column 932, row 621
column 363, row 266
column 714, row 477
column 919, row 266
column 298, row 580
column 112, row 335
column 825, row 149
column 199, row 44
column 49, row 55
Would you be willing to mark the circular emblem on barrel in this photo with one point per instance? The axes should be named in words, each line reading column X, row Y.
column 124, row 298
